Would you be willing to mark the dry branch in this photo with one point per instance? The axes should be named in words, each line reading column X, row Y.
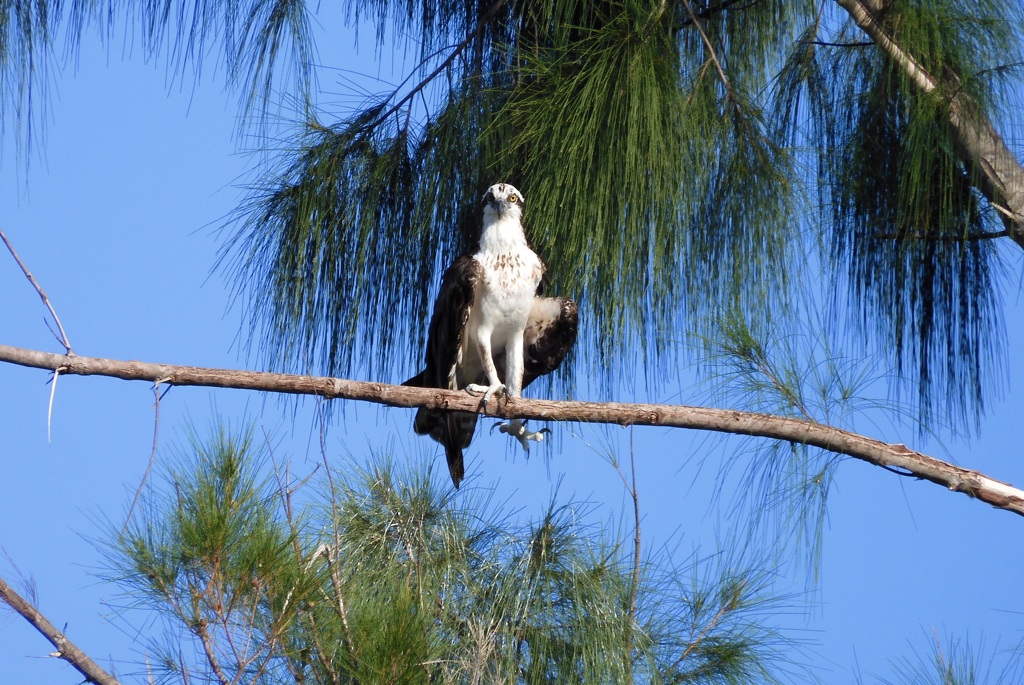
column 893, row 456
column 65, row 648
column 63, row 337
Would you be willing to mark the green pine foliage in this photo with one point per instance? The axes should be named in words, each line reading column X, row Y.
column 910, row 234
column 955, row 661
column 631, row 150
column 25, row 35
column 679, row 159
column 385, row 578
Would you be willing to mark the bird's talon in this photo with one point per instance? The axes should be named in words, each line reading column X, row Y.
column 488, row 391
column 517, row 429
column 475, row 389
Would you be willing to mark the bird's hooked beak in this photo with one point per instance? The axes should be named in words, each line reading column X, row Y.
column 499, row 205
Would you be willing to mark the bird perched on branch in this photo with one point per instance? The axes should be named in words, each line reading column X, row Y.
column 490, row 334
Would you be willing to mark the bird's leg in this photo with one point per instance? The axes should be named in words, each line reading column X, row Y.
column 514, row 377
column 496, row 387
column 517, row 429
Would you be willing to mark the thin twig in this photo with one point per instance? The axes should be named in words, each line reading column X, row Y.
column 700, row 638
column 250, row 654
column 257, row 675
column 456, row 51
column 152, row 455
column 321, row 653
column 784, row 390
column 714, row 58
column 635, row 494
column 634, row 588
column 63, row 338
column 332, row 554
column 186, row 676
column 224, row 614
column 285, row 494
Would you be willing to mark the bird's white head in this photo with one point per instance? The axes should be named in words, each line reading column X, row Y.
column 502, row 200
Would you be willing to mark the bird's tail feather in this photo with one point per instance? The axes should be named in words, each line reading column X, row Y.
column 455, row 432
column 453, row 429
column 455, row 464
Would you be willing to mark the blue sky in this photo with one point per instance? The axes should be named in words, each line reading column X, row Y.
column 116, row 217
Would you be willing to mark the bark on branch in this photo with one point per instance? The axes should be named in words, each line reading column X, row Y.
column 65, row 648
column 981, row 148
column 898, row 456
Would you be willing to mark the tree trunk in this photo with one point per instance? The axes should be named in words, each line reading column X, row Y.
column 998, row 173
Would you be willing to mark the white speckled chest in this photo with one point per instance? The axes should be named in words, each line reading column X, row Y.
column 509, row 284
column 510, row 274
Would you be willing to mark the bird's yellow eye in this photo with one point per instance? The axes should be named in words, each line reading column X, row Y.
column 513, row 198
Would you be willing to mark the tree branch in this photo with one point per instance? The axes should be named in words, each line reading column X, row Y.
column 65, row 648
column 474, row 34
column 714, row 60
column 211, row 653
column 63, row 337
column 973, row 483
column 982, row 149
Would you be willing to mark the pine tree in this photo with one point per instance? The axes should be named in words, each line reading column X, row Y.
column 383, row 578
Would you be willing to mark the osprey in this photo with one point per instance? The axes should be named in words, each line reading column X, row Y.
column 490, row 333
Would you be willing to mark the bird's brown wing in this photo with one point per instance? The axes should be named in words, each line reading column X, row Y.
column 550, row 334
column 454, row 303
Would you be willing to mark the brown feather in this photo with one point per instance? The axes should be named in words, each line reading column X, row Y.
column 454, row 430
